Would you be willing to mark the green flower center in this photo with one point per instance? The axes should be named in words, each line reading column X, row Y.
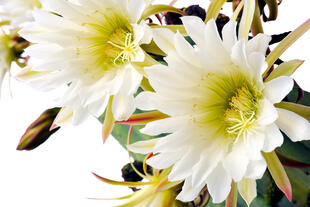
column 230, row 105
column 111, row 42
column 242, row 111
column 122, row 46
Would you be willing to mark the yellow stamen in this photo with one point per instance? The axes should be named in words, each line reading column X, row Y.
column 129, row 49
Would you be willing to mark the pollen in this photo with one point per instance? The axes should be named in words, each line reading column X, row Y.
column 241, row 114
column 128, row 49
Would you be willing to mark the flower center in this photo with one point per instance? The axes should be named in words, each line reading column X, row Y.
column 241, row 113
column 126, row 49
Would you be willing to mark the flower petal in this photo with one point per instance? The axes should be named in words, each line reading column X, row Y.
column 219, row 184
column 167, row 125
column 256, row 169
column 229, row 35
column 294, row 126
column 255, row 143
column 162, row 38
column 123, row 106
column 236, row 162
column 189, row 192
column 194, row 26
column 183, row 167
column 247, row 190
column 164, row 160
column 143, row 147
column 259, row 44
column 276, row 89
column 268, row 113
column 274, row 138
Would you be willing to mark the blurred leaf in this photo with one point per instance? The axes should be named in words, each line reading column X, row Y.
column 287, row 162
column 120, row 133
column 301, row 185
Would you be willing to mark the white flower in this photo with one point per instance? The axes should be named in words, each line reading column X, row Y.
column 18, row 11
column 92, row 46
column 222, row 113
column 6, row 55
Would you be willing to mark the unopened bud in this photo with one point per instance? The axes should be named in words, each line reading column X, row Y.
column 39, row 131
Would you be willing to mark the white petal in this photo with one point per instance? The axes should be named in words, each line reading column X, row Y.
column 267, row 113
column 255, row 143
column 64, row 116
column 131, row 81
column 163, row 37
column 174, row 141
column 136, row 8
column 258, row 64
column 247, row 189
column 167, row 125
column 236, row 162
column 123, row 106
column 259, row 43
column 80, row 115
column 274, row 138
column 146, row 101
column 219, row 184
column 256, row 169
column 229, row 35
column 214, row 42
column 183, row 167
column 276, row 89
column 238, row 55
column 294, row 126
column 164, row 160
column 189, row 192
column 194, row 26
column 208, row 161
column 143, row 147
column 185, row 50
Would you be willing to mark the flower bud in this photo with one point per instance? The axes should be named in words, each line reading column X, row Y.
column 39, row 131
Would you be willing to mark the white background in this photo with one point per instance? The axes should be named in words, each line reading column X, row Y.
column 58, row 173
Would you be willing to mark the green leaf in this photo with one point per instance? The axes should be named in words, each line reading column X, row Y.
column 301, row 184
column 295, row 150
